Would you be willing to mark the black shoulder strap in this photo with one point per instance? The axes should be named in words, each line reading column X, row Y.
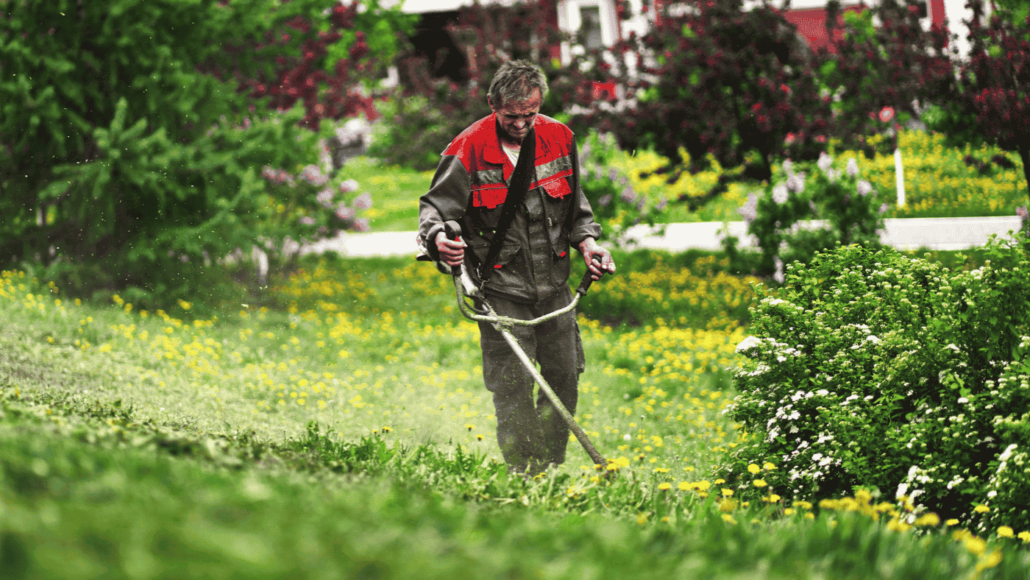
column 519, row 184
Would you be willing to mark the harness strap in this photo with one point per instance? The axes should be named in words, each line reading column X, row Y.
column 517, row 188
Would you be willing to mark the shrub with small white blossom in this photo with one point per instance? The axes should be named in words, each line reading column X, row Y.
column 870, row 368
column 810, row 211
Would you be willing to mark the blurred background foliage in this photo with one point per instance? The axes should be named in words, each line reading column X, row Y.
column 151, row 147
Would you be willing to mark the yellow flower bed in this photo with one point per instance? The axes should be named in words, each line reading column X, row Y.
column 937, row 181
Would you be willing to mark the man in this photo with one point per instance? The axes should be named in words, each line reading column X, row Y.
column 529, row 276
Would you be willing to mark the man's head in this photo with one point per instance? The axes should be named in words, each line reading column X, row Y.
column 515, row 95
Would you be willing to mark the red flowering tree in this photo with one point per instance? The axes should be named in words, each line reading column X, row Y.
column 431, row 111
column 716, row 79
column 896, row 65
column 995, row 83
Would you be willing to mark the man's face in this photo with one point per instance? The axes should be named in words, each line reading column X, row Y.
column 517, row 117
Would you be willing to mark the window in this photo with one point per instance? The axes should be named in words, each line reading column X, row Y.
column 590, row 26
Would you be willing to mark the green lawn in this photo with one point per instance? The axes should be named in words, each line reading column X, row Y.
column 349, row 435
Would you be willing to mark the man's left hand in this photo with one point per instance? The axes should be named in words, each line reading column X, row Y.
column 599, row 260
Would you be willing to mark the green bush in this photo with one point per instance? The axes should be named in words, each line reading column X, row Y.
column 849, row 207
column 127, row 148
column 873, row 369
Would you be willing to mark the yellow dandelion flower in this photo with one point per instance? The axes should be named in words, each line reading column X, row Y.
column 727, row 492
column 930, row 519
column 759, row 483
column 981, row 509
column 1005, row 532
column 788, row 512
column 728, row 519
column 992, row 560
column 951, row 522
column 642, row 518
column 753, row 469
column 1025, row 536
column 665, row 486
column 975, row 545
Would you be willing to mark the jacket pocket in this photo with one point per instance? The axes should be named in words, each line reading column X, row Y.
column 508, row 252
column 489, row 197
column 557, row 188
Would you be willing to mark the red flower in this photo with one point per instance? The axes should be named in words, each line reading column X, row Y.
column 886, row 114
column 790, row 139
column 820, row 138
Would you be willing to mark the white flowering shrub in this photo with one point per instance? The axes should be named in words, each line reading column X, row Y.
column 850, row 209
column 869, row 368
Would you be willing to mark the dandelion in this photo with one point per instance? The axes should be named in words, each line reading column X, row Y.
column 768, row 466
column 664, row 486
column 1005, row 532
column 981, row 509
column 951, row 522
column 728, row 519
column 753, row 469
column 975, row 545
column 1025, row 536
column 930, row 519
column 759, row 483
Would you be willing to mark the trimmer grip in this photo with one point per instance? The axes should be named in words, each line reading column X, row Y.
column 587, row 281
column 452, row 234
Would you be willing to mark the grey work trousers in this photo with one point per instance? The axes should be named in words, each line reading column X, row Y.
column 532, row 435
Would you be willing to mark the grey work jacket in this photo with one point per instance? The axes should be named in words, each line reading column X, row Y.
column 468, row 190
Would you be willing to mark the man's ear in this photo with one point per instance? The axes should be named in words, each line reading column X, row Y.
column 490, row 102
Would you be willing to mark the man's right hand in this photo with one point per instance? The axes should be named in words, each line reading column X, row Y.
column 452, row 252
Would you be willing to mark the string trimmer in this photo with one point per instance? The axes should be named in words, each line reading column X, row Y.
column 481, row 311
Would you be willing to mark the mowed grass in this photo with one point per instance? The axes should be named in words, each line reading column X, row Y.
column 349, row 434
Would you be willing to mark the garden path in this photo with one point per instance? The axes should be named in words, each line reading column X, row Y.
column 902, row 233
